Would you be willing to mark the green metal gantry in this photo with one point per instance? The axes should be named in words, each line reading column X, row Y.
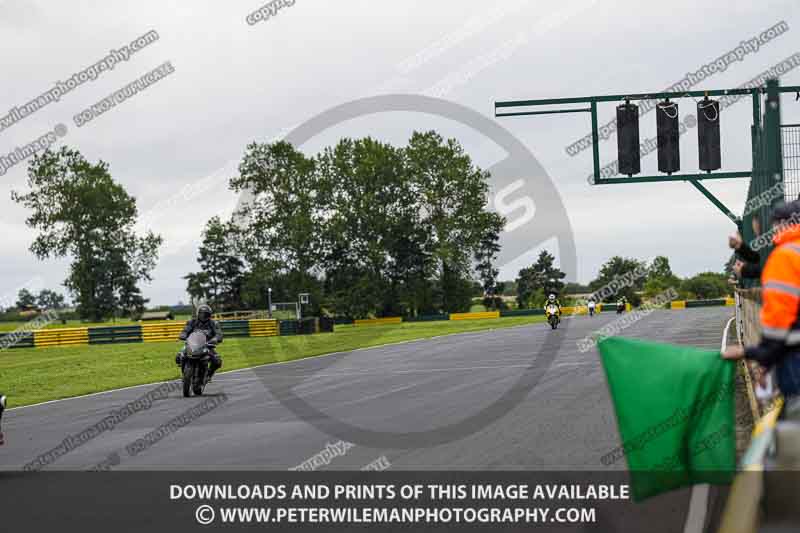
column 770, row 161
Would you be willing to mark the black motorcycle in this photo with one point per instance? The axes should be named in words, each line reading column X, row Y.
column 620, row 307
column 196, row 357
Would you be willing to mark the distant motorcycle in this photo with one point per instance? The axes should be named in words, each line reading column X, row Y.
column 591, row 310
column 196, row 356
column 620, row 307
column 552, row 316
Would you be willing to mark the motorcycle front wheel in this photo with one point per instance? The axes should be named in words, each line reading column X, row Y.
column 199, row 380
column 188, row 373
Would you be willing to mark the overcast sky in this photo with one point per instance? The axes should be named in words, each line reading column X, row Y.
column 175, row 144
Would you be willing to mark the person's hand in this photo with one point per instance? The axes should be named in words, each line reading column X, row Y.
column 738, row 266
column 733, row 352
column 761, row 376
column 735, row 241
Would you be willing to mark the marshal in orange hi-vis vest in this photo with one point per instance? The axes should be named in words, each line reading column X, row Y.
column 780, row 317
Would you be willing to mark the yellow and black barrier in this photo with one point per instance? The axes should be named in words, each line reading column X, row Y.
column 61, row 337
column 378, row 321
column 266, row 327
column 145, row 332
column 483, row 315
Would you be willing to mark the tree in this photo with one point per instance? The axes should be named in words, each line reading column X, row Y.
column 534, row 282
column 83, row 214
column 621, row 277
column 283, row 220
column 485, row 256
column 372, row 234
column 451, row 202
column 707, row 285
column 48, row 299
column 575, row 288
column 660, row 268
column 25, row 299
column 660, row 277
column 220, row 279
column 381, row 230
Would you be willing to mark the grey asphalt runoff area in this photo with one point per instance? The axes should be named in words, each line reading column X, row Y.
column 566, row 422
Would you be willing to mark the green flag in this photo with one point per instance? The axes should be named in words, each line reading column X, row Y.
column 676, row 413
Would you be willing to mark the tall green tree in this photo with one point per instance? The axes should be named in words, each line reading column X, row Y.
column 535, row 281
column 371, row 230
column 220, row 279
column 47, row 299
column 451, row 205
column 660, row 277
column 282, row 224
column 380, row 230
column 485, row 257
column 707, row 285
column 25, row 299
column 627, row 274
column 81, row 213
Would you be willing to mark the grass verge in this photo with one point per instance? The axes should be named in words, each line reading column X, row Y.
column 33, row 375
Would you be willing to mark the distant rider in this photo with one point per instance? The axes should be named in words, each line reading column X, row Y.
column 591, row 305
column 213, row 333
column 552, row 300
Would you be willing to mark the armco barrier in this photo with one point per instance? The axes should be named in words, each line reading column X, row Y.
column 112, row 334
column 521, row 312
column 267, row 327
column 475, row 316
column 378, row 321
column 235, row 328
column 308, row 326
column 287, row 327
column 705, row 303
column 161, row 331
column 61, row 337
column 426, row 318
column 17, row 340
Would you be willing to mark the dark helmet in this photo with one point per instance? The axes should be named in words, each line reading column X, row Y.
column 785, row 211
column 203, row 313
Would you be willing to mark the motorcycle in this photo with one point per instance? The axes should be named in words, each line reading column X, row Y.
column 552, row 316
column 620, row 308
column 591, row 310
column 196, row 357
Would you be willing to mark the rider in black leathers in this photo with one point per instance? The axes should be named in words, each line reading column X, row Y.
column 213, row 333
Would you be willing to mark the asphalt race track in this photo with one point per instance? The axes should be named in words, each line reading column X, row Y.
column 565, row 422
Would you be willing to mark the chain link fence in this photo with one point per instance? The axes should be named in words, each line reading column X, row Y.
column 790, row 138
